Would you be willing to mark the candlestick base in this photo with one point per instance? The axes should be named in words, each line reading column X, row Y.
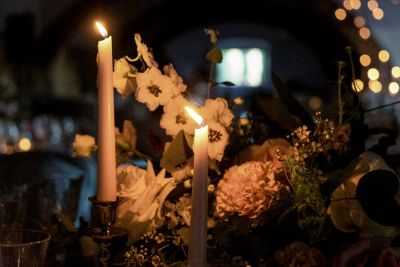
column 111, row 240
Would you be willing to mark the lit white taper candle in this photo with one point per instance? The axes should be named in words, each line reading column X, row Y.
column 198, row 223
column 106, row 177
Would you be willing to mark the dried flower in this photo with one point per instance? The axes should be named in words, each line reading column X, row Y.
column 83, row 146
column 144, row 52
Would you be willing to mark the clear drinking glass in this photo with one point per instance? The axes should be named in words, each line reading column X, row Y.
column 23, row 247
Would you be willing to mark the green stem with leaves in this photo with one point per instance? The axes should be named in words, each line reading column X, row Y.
column 210, row 78
column 340, row 103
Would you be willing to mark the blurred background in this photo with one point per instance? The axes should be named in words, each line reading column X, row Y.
column 48, row 65
column 48, row 57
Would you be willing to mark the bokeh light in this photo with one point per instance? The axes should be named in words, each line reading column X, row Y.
column 359, row 22
column 364, row 33
column 384, row 55
column 357, row 85
column 347, row 4
column 372, row 5
column 373, row 74
column 340, row 14
column 365, row 60
column 396, row 71
column 315, row 103
column 24, row 144
column 378, row 13
column 375, row 86
column 355, row 4
column 393, row 88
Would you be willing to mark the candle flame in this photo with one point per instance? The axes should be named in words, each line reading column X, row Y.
column 197, row 118
column 101, row 29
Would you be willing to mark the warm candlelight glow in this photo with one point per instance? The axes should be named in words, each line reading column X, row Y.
column 197, row 118
column 101, row 29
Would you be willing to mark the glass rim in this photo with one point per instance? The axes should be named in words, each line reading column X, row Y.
column 46, row 237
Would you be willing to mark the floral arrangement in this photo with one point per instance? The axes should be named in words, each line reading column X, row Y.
column 286, row 188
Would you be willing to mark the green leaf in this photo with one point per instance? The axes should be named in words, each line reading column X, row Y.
column 227, row 83
column 292, row 104
column 276, row 110
column 338, row 176
column 184, row 233
column 180, row 149
column 214, row 55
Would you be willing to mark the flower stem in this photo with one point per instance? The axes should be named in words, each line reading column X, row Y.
column 340, row 103
column 210, row 78
column 133, row 59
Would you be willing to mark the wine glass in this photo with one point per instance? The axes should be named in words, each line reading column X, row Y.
column 23, row 247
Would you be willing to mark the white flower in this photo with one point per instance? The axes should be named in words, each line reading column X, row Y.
column 131, row 181
column 175, row 78
column 217, row 110
column 83, row 145
column 217, row 140
column 123, row 77
column 154, row 89
column 175, row 117
column 143, row 195
column 144, row 52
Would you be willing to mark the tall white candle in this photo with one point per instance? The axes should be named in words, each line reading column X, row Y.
column 198, row 222
column 106, row 170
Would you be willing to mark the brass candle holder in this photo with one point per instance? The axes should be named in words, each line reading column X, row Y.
column 111, row 240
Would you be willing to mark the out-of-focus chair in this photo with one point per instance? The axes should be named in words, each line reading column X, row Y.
column 35, row 186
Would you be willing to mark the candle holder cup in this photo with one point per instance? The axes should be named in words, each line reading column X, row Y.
column 111, row 240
